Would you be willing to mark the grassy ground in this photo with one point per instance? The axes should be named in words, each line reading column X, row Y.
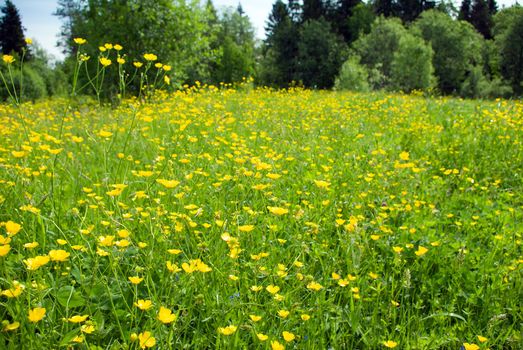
column 262, row 219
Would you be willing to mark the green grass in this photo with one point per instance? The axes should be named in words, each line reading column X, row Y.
column 368, row 182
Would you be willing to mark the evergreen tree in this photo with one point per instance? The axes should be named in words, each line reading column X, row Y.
column 464, row 10
column 313, row 9
column 320, row 54
column 343, row 11
column 12, row 37
column 386, row 8
column 294, row 10
column 492, row 7
column 409, row 10
column 481, row 19
column 281, row 46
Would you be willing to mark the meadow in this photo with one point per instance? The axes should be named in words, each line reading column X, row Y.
column 262, row 219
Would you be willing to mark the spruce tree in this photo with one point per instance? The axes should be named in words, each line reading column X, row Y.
column 344, row 10
column 386, row 8
column 12, row 37
column 464, row 10
column 481, row 19
column 492, row 7
column 281, row 43
column 313, row 9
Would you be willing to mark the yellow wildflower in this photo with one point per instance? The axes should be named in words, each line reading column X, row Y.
column 165, row 315
column 79, row 41
column 8, row 59
column 275, row 345
column 36, row 314
column 105, row 61
column 78, row 318
column 143, row 304
column 58, row 255
column 135, row 279
column 390, row 344
column 278, row 210
column 12, row 228
column 146, row 340
column 288, row 336
column 227, row 330
column 36, row 262
column 150, row 57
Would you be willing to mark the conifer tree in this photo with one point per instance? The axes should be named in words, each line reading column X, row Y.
column 464, row 10
column 281, row 43
column 313, row 9
column 12, row 37
column 481, row 18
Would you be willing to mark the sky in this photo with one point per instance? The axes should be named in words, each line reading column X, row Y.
column 42, row 26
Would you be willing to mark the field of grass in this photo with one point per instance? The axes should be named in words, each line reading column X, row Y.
column 262, row 219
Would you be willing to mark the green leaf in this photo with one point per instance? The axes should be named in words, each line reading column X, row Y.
column 68, row 337
column 68, row 297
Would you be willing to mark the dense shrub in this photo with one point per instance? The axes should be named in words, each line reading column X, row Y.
column 353, row 76
column 411, row 67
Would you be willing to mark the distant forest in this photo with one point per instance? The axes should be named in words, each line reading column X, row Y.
column 473, row 51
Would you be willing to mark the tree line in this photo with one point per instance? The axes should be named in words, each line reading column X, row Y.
column 397, row 45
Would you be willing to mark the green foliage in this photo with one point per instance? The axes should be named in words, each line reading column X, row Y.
column 346, row 9
column 411, row 67
column 173, row 30
column 481, row 18
column 320, row 54
column 27, row 86
column 476, row 85
column 509, row 40
column 278, row 65
column 360, row 22
column 377, row 48
column 353, row 76
column 12, row 37
column 235, row 48
column 456, row 45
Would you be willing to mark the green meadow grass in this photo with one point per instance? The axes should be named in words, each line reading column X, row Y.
column 262, row 219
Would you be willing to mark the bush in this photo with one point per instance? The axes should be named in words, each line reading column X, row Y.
column 33, row 85
column 476, row 85
column 353, row 76
column 377, row 48
column 457, row 48
column 411, row 67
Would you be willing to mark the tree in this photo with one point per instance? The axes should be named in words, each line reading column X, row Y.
column 343, row 11
column 464, row 10
column 377, row 49
column 509, row 39
column 353, row 76
column 385, row 8
column 456, row 45
column 294, row 10
column 12, row 37
column 236, row 51
column 411, row 67
column 409, row 10
column 313, row 10
column 173, row 30
column 320, row 54
column 492, row 7
column 281, row 47
column 480, row 18
column 360, row 22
